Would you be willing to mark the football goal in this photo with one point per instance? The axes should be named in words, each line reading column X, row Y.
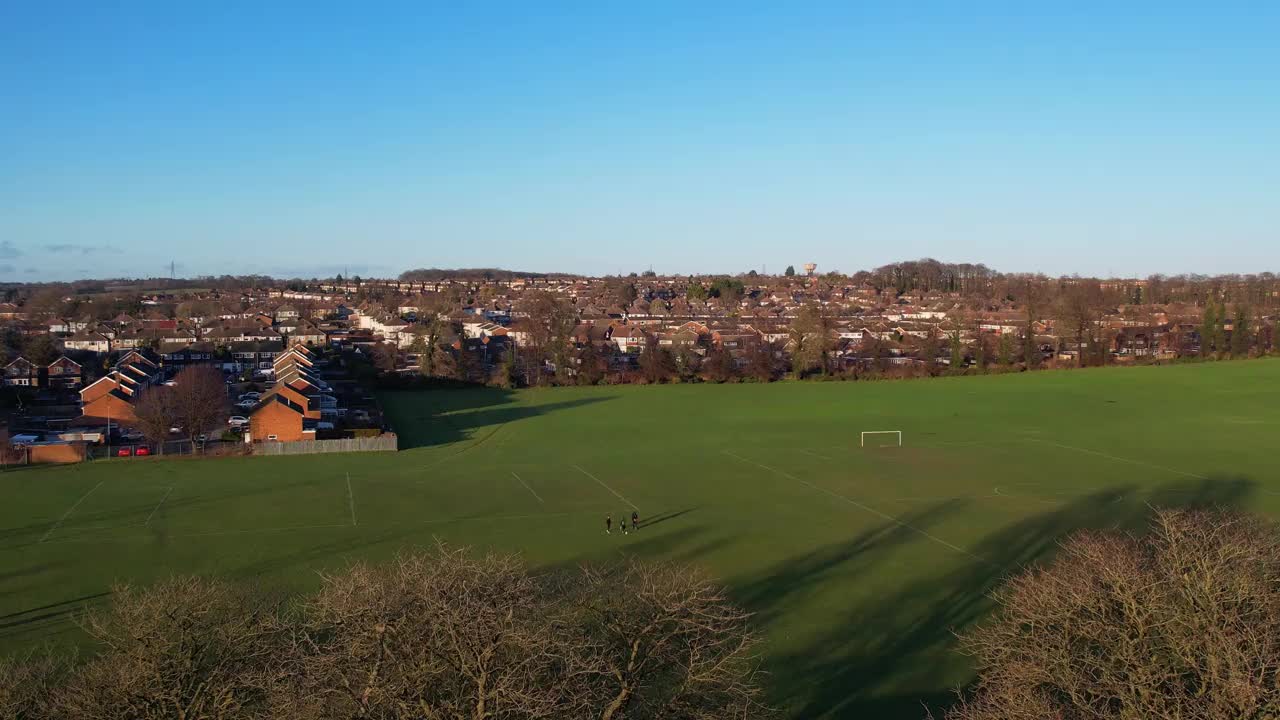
column 883, row 438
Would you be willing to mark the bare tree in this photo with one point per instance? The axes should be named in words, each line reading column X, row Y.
column 550, row 333
column 719, row 365
column 762, row 364
column 383, row 355
column 433, row 326
column 656, row 362
column 1081, row 308
column 435, row 635
column 428, row 636
column 200, row 400
column 811, row 340
column 669, row 645
column 185, row 648
column 27, row 683
column 1183, row 623
column 156, row 412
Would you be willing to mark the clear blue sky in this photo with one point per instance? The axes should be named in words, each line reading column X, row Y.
column 1099, row 138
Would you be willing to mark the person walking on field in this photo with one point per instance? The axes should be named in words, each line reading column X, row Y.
column 624, row 525
column 608, row 524
column 635, row 520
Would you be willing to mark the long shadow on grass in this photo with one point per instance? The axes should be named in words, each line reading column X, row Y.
column 438, row 417
column 888, row 656
column 47, row 620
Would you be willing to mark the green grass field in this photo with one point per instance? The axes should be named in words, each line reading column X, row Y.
column 859, row 562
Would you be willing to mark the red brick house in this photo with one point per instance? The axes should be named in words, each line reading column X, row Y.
column 65, row 374
column 21, row 373
column 284, row 415
column 110, row 399
column 290, row 410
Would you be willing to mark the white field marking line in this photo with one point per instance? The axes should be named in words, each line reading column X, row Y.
column 814, row 454
column 157, row 507
column 526, row 486
column 351, row 501
column 606, row 487
column 1117, row 458
column 860, row 506
column 67, row 514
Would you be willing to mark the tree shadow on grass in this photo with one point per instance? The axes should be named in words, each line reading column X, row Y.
column 890, row 656
column 47, row 621
column 438, row 417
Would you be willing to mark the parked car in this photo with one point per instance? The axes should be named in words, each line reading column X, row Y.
column 124, row 452
column 237, row 421
column 324, row 425
column 246, row 404
column 142, row 451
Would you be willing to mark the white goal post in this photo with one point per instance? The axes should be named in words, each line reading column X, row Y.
column 897, row 433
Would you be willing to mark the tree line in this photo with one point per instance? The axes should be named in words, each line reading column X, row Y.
column 441, row 634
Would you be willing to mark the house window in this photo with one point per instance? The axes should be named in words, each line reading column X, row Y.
column 273, row 437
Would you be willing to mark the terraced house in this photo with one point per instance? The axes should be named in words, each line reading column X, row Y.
column 297, row 405
column 110, row 399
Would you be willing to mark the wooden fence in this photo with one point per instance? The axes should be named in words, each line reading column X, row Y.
column 382, row 443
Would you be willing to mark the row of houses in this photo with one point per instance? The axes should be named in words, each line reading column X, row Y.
column 298, row 405
column 110, row 400
column 61, row 374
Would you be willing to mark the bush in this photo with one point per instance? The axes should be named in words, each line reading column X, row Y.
column 1181, row 623
column 200, row 645
column 441, row 634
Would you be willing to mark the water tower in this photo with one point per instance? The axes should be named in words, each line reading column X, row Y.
column 809, row 268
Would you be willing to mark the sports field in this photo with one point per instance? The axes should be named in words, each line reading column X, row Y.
column 858, row 561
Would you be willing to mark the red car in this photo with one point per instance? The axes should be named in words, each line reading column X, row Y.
column 124, row 452
column 142, row 451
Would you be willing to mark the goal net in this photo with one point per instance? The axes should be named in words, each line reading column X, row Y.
column 882, row 438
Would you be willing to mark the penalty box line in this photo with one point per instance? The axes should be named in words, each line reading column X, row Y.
column 526, row 487
column 860, row 506
column 157, row 507
column 351, row 501
column 606, row 487
column 67, row 514
column 1117, row 458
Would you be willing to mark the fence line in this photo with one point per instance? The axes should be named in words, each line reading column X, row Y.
column 382, row 443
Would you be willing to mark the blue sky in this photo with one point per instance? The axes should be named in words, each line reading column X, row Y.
column 305, row 139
